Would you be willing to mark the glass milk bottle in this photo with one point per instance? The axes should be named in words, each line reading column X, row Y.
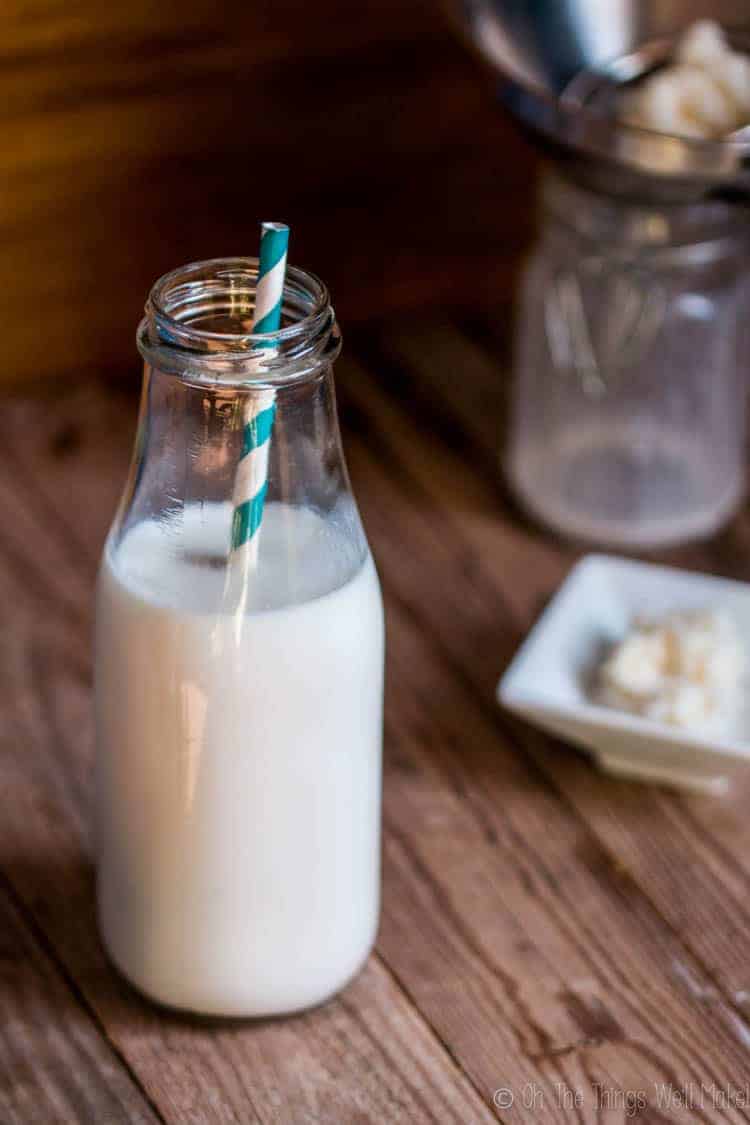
column 238, row 693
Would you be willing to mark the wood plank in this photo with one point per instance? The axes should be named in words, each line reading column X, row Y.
column 523, row 918
column 55, row 1066
column 689, row 854
column 368, row 1056
column 524, row 948
column 65, row 37
column 133, row 138
column 491, row 885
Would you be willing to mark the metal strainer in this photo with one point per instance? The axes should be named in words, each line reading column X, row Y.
column 562, row 65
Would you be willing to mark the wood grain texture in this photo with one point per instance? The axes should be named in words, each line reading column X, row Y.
column 369, row 1056
column 544, row 928
column 690, row 855
column 139, row 136
column 582, row 959
column 55, row 1066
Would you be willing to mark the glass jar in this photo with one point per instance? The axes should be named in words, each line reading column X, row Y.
column 238, row 693
column 628, row 422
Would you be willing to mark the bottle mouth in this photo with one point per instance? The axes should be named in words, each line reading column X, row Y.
column 198, row 325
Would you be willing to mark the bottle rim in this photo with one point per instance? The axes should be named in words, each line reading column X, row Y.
column 173, row 335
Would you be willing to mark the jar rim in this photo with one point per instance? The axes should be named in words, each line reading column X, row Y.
column 170, row 339
column 642, row 225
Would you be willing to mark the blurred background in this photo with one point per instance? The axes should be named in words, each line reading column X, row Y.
column 141, row 136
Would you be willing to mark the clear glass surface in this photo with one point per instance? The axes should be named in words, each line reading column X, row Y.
column 628, row 422
column 238, row 692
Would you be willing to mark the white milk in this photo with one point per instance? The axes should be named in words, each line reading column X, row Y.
column 238, row 764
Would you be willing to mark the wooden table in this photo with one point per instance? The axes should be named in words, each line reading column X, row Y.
column 549, row 936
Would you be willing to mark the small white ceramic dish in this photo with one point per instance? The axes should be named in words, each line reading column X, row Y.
column 550, row 678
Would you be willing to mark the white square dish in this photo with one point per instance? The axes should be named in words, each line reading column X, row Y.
column 548, row 682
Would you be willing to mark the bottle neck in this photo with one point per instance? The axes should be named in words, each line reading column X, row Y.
column 198, row 327
column 207, row 376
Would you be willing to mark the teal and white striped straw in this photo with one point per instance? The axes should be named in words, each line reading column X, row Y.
column 251, row 481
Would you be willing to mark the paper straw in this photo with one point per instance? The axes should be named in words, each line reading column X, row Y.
column 251, row 481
